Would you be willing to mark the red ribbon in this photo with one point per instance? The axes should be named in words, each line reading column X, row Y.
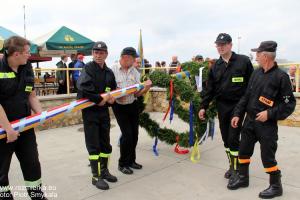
column 177, row 149
column 170, row 101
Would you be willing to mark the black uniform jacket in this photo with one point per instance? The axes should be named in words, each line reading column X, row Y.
column 271, row 91
column 93, row 81
column 15, row 89
column 227, row 81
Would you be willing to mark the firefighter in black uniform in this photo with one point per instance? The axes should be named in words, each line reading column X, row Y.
column 97, row 78
column 227, row 83
column 17, row 99
column 268, row 98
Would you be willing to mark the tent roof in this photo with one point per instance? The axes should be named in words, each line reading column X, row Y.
column 65, row 39
column 6, row 33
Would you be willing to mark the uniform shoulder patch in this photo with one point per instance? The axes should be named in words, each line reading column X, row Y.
column 266, row 101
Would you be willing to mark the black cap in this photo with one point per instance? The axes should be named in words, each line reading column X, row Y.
column 129, row 51
column 269, row 46
column 198, row 57
column 100, row 46
column 223, row 38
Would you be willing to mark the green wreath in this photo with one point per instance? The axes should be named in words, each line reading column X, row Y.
column 184, row 91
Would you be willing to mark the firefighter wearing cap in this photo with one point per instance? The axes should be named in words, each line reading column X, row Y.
column 227, row 83
column 17, row 99
column 97, row 78
column 269, row 98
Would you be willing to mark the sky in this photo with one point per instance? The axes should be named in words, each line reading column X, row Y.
column 179, row 27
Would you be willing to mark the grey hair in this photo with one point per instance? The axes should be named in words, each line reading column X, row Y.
column 270, row 54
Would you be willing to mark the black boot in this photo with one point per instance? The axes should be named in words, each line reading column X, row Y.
column 229, row 171
column 105, row 172
column 275, row 188
column 97, row 180
column 241, row 179
column 235, row 166
column 36, row 193
column 6, row 195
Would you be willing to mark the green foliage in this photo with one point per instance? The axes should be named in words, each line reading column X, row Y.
column 184, row 91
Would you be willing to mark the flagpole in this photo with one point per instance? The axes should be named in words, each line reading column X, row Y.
column 141, row 52
column 24, row 22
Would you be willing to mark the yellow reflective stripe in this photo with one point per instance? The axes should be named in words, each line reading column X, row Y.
column 104, row 155
column 107, row 89
column 237, row 79
column 33, row 183
column 99, row 169
column 195, row 155
column 235, row 164
column 272, row 169
column 227, row 149
column 28, row 89
column 4, row 188
column 93, row 157
column 234, row 153
column 7, row 75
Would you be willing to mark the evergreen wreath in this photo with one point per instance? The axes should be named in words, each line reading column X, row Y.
column 185, row 90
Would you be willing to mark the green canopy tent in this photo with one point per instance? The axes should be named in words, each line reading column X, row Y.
column 64, row 40
column 6, row 33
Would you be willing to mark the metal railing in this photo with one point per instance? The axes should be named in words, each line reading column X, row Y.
column 284, row 65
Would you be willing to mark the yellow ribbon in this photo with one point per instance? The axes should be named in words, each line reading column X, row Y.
column 146, row 97
column 195, row 155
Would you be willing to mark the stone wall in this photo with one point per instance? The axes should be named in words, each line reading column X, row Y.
column 156, row 103
column 57, row 100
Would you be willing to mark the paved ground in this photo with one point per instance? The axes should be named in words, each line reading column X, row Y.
column 167, row 176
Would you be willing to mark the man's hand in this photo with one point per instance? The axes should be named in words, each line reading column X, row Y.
column 61, row 81
column 262, row 116
column 235, row 122
column 12, row 135
column 148, row 84
column 201, row 114
column 105, row 98
column 111, row 100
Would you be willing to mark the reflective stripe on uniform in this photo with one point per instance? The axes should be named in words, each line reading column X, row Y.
column 234, row 153
column 32, row 184
column 271, row 169
column 7, row 75
column 104, row 155
column 244, row 161
column 237, row 79
column 28, row 89
column 93, row 157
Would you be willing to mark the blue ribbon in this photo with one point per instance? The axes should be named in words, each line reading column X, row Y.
column 154, row 147
column 191, row 136
column 172, row 110
column 211, row 128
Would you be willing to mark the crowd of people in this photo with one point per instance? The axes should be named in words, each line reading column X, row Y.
column 261, row 96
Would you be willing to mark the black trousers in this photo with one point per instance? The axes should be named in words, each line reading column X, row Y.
column 128, row 120
column 266, row 133
column 230, row 136
column 25, row 148
column 96, row 125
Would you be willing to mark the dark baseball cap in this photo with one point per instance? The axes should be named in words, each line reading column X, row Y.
column 269, row 46
column 100, row 46
column 223, row 38
column 198, row 57
column 129, row 51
